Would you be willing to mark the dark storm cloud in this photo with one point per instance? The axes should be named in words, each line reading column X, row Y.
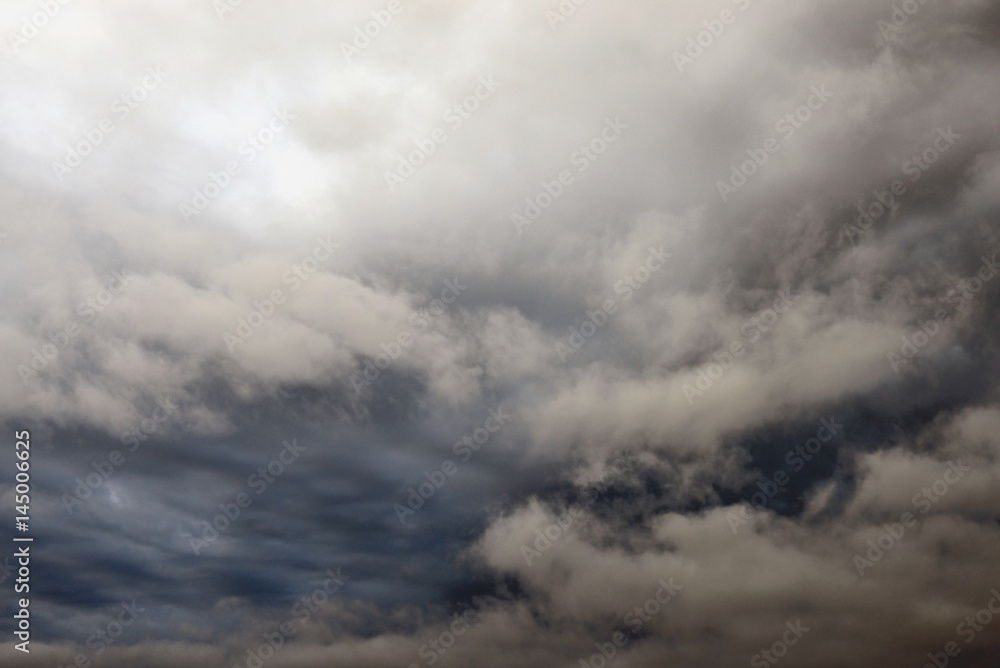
column 288, row 200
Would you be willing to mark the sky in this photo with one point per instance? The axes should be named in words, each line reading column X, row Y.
column 495, row 333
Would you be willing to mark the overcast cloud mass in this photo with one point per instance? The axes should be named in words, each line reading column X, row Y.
column 502, row 334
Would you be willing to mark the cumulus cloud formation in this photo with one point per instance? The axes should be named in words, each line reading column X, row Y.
column 502, row 333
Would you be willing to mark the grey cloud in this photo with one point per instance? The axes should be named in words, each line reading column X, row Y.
column 232, row 314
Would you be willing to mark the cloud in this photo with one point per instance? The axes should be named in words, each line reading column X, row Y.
column 307, row 224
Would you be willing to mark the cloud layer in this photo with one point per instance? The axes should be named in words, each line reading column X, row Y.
column 566, row 332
